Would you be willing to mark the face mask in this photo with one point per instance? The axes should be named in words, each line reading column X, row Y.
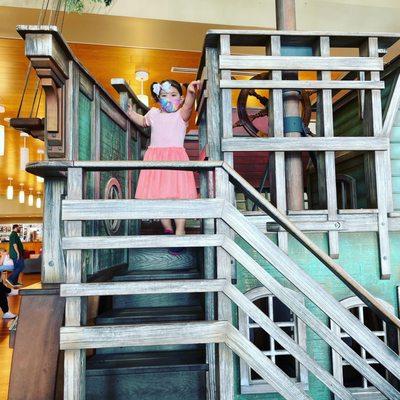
column 170, row 106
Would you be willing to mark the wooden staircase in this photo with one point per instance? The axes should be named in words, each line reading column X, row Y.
column 172, row 316
column 151, row 372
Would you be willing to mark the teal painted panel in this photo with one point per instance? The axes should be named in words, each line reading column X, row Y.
column 396, row 201
column 395, row 167
column 395, row 134
column 296, row 51
column 359, row 255
column 112, row 147
column 395, row 151
column 85, row 131
column 397, row 118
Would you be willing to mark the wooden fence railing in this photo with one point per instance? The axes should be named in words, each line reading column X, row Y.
column 74, row 337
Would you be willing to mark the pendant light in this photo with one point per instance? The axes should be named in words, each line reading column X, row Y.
column 30, row 198
column 142, row 76
column 21, row 195
column 10, row 189
column 40, row 152
column 2, row 140
column 38, row 201
column 24, row 153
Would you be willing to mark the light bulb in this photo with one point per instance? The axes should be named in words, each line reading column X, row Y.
column 21, row 195
column 10, row 190
column 2, row 140
column 2, row 108
column 38, row 201
column 24, row 158
column 30, row 198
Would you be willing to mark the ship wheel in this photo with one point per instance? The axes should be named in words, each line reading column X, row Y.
column 246, row 119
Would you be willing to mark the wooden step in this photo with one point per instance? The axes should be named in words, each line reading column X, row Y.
column 147, row 376
column 144, row 275
column 150, row 314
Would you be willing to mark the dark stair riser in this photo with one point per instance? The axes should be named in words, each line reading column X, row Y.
column 156, row 300
column 144, row 349
column 168, row 385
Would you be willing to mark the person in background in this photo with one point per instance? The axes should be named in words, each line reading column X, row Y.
column 16, row 252
column 4, row 293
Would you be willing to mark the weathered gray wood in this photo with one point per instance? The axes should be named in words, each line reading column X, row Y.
column 113, row 113
column 283, row 63
column 326, row 113
column 86, row 85
column 145, row 287
column 340, row 272
column 309, row 318
column 224, row 271
column 292, row 84
column 263, row 365
column 142, row 242
column 381, row 172
column 252, row 311
column 311, row 289
column 208, row 227
column 81, row 210
column 305, row 144
column 53, row 266
column 74, row 360
column 95, row 337
column 277, row 171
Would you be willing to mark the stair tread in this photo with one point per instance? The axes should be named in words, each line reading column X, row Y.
column 129, row 315
column 146, row 362
column 157, row 274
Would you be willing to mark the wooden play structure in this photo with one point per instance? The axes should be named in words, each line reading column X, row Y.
column 281, row 298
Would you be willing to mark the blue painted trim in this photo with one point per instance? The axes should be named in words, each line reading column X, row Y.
column 292, row 124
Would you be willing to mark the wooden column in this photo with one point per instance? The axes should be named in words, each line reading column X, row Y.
column 53, row 266
column 277, row 170
column 376, row 166
column 286, row 20
column 325, row 128
column 74, row 360
column 224, row 271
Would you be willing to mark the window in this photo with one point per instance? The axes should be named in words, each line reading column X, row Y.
column 251, row 382
column 342, row 370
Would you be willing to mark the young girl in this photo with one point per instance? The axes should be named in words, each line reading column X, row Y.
column 168, row 129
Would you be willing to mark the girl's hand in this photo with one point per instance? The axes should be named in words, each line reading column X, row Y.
column 193, row 87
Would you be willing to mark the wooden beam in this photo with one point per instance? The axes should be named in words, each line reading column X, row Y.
column 96, row 337
column 306, row 144
column 92, row 210
column 291, row 84
column 140, row 241
column 297, row 63
column 145, row 287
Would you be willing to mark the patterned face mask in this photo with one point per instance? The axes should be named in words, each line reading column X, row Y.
column 170, row 106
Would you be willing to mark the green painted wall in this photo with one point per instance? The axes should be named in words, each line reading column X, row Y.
column 395, row 161
column 359, row 256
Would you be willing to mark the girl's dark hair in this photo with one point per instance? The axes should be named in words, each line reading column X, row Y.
column 173, row 83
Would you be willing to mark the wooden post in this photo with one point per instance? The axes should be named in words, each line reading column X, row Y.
column 373, row 127
column 53, row 266
column 224, row 271
column 325, row 128
column 74, row 360
column 277, row 170
column 286, row 20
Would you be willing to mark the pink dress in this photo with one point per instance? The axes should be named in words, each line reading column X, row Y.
column 168, row 132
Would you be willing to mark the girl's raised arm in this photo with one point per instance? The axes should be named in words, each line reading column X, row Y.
column 187, row 108
column 137, row 118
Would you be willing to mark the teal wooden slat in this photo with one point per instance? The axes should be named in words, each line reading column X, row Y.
column 395, row 167
column 395, row 151
column 395, row 135
column 396, row 201
column 84, row 128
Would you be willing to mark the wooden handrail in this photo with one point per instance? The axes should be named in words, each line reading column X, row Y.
column 338, row 270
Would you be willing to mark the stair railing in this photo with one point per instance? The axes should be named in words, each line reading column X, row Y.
column 74, row 337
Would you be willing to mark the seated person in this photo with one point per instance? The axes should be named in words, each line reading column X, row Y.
column 4, row 293
column 5, row 261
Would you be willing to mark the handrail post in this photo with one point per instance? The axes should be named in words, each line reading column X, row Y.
column 224, row 271
column 74, row 360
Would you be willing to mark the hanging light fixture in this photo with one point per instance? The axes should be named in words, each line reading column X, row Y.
column 142, row 76
column 38, row 201
column 10, row 190
column 24, row 153
column 21, row 195
column 2, row 108
column 2, row 140
column 30, row 197
column 40, row 152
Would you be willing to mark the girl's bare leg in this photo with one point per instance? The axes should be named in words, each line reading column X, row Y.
column 180, row 226
column 167, row 224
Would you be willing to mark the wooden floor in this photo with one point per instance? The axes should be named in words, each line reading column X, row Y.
column 5, row 351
